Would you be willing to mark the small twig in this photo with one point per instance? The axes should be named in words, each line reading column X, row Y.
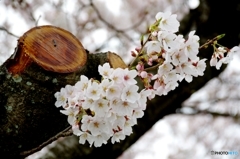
column 152, row 68
column 8, row 32
column 64, row 133
column 212, row 41
column 140, row 52
column 36, row 23
column 112, row 26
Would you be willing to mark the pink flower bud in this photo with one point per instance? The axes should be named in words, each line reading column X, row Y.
column 140, row 67
column 133, row 54
column 144, row 74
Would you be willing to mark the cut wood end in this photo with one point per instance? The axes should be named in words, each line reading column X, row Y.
column 53, row 48
column 115, row 60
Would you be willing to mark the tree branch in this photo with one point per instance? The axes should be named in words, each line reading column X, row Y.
column 8, row 32
column 64, row 133
column 122, row 31
column 195, row 111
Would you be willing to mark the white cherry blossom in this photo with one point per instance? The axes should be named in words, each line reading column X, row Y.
column 105, row 70
column 129, row 77
column 125, row 108
column 167, row 39
column 71, row 113
column 201, row 66
column 93, row 90
column 130, row 94
column 100, row 107
column 168, row 21
column 96, row 126
column 164, row 68
column 86, row 120
column 113, row 91
column 104, row 85
column 85, row 136
column 117, row 137
column 153, row 47
column 82, row 84
column 192, row 46
column 88, row 103
column 117, row 76
column 178, row 58
column 100, row 139
column 61, row 98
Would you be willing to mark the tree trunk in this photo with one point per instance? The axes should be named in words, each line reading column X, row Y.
column 28, row 116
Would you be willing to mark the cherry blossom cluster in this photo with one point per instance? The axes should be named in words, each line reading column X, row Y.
column 102, row 110
column 175, row 57
column 222, row 55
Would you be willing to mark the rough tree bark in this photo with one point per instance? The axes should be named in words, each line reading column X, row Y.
column 28, row 82
column 28, row 116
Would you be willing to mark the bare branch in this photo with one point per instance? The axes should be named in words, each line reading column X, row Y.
column 8, row 32
column 112, row 26
column 64, row 133
column 195, row 111
column 122, row 31
column 36, row 23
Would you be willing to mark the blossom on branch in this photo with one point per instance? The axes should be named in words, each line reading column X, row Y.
column 168, row 21
column 218, row 57
column 103, row 109
column 107, row 109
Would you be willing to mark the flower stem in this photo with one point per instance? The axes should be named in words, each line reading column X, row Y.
column 140, row 53
column 212, row 41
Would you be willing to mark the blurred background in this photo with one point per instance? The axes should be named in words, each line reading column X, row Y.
column 207, row 121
